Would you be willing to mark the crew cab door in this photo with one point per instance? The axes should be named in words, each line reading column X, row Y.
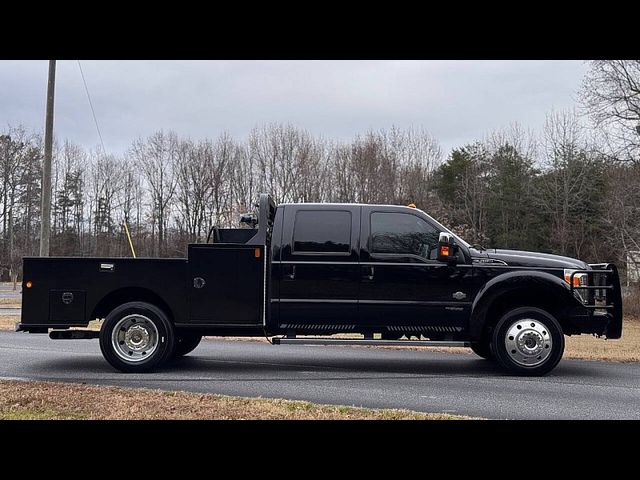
column 319, row 274
column 402, row 284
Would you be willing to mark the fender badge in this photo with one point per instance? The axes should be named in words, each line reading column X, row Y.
column 459, row 295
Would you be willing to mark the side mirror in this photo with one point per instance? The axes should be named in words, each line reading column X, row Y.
column 447, row 249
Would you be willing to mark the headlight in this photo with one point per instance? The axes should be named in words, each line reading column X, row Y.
column 579, row 280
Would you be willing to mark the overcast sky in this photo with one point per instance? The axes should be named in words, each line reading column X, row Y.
column 457, row 101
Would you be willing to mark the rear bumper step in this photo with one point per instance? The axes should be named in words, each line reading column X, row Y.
column 344, row 341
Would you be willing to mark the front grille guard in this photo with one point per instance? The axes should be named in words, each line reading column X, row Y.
column 602, row 289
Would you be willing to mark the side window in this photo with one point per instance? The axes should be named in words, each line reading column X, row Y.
column 322, row 232
column 402, row 233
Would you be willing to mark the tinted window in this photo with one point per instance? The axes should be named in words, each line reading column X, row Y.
column 402, row 233
column 322, row 231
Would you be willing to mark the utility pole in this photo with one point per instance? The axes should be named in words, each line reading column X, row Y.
column 45, row 225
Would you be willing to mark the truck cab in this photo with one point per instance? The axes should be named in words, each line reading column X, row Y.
column 374, row 268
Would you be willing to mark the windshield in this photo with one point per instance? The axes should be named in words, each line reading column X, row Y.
column 439, row 225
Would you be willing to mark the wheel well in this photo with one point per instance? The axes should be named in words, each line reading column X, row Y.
column 523, row 297
column 124, row 295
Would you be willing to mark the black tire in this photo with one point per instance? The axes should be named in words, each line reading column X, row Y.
column 186, row 343
column 483, row 349
column 151, row 324
column 528, row 324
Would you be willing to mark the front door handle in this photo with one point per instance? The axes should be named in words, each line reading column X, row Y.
column 291, row 272
column 368, row 272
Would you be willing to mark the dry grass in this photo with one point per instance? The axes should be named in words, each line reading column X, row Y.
column 93, row 325
column 8, row 322
column 45, row 400
column 627, row 349
column 10, row 303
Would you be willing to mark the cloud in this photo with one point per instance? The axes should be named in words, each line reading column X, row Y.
column 457, row 101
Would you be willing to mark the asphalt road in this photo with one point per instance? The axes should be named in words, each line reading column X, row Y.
column 417, row 380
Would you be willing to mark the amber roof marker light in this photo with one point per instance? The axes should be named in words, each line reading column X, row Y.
column 28, row 284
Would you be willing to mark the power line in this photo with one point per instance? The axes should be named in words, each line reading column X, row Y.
column 95, row 120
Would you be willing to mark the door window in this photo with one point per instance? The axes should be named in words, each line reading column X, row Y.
column 403, row 234
column 322, row 232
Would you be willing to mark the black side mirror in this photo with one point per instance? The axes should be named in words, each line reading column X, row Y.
column 447, row 249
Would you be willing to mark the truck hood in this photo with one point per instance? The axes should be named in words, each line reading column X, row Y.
column 519, row 258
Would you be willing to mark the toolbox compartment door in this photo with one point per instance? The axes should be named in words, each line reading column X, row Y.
column 67, row 306
column 226, row 284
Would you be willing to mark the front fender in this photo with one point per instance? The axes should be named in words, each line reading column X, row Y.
column 548, row 287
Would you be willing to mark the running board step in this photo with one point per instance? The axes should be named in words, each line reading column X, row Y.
column 73, row 334
column 344, row 341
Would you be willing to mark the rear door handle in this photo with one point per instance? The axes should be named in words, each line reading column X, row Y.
column 368, row 272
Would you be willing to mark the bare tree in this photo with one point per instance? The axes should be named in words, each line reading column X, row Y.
column 19, row 162
column 107, row 182
column 193, row 189
column 622, row 212
column 569, row 191
column 131, row 199
column 419, row 154
column 344, row 178
column 219, row 159
column 473, row 193
column 68, row 199
column 244, row 181
column 156, row 157
column 281, row 154
column 610, row 95
column 374, row 169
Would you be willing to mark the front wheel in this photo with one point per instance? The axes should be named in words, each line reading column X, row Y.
column 528, row 341
column 136, row 337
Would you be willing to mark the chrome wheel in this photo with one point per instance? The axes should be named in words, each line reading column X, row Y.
column 528, row 342
column 134, row 338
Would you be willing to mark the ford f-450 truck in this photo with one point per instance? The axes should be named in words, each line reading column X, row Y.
column 301, row 273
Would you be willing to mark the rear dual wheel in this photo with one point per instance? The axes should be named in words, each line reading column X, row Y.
column 137, row 337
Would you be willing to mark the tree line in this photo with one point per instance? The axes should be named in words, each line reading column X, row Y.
column 571, row 188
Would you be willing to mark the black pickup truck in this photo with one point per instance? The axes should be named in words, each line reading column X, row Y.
column 302, row 273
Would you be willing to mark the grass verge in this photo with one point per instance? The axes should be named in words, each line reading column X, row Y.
column 21, row 400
